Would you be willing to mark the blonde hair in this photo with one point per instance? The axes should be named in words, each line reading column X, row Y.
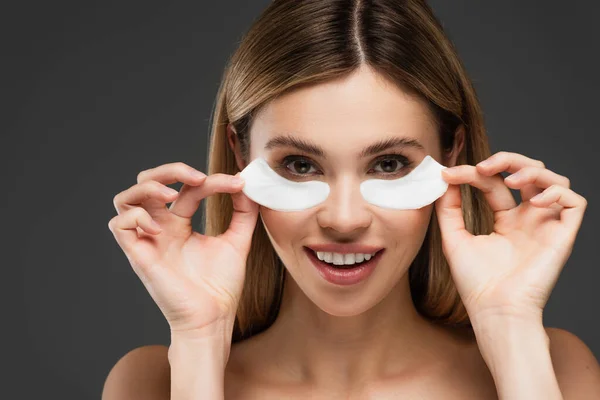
column 298, row 43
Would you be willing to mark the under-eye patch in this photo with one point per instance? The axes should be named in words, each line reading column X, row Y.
column 267, row 188
column 422, row 186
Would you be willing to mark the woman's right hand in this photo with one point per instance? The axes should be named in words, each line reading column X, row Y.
column 196, row 280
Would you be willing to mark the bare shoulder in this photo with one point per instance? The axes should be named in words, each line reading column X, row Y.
column 142, row 373
column 145, row 373
column 576, row 368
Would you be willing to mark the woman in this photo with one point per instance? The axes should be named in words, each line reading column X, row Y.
column 340, row 92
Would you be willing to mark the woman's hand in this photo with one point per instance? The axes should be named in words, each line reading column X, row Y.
column 195, row 280
column 512, row 271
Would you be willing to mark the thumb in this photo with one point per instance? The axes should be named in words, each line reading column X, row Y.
column 450, row 217
column 243, row 221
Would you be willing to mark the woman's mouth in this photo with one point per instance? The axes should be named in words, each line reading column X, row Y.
column 344, row 269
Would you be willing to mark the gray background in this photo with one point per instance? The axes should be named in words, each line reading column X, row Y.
column 94, row 92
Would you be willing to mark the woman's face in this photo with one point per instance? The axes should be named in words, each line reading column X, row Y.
column 342, row 119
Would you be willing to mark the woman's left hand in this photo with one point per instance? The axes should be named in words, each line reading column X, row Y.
column 512, row 271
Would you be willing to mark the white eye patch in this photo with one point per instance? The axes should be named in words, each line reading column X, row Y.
column 422, row 186
column 267, row 188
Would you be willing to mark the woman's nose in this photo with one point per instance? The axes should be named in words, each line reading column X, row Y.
column 344, row 210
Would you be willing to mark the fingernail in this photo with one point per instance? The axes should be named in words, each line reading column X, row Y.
column 169, row 192
column 515, row 176
column 237, row 180
column 485, row 163
column 155, row 225
column 197, row 174
column 449, row 171
column 539, row 196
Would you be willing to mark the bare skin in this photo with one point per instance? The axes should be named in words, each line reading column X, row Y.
column 450, row 367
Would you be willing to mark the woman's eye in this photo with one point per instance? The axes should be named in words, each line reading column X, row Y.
column 389, row 165
column 299, row 167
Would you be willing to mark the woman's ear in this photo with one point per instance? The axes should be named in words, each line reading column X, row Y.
column 234, row 144
column 459, row 141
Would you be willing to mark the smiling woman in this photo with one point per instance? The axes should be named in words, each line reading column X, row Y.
column 345, row 297
column 341, row 130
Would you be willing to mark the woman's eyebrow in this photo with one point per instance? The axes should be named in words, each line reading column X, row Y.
column 312, row 148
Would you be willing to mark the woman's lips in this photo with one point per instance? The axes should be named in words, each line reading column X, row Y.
column 344, row 276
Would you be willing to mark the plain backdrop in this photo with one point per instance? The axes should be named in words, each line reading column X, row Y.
column 95, row 92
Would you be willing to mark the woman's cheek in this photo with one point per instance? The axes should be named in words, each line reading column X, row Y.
column 416, row 221
column 285, row 228
column 406, row 228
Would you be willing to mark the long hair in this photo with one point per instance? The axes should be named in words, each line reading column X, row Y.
column 298, row 43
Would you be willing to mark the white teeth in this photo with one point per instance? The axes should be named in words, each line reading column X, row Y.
column 338, row 259
column 343, row 259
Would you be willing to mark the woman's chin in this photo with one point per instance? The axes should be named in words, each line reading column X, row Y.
column 339, row 310
column 341, row 300
column 339, row 303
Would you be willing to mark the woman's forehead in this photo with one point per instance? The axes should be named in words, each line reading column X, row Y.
column 353, row 113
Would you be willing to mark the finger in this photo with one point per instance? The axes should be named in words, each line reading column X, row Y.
column 511, row 163
column 448, row 209
column 540, row 177
column 171, row 173
column 168, row 174
column 143, row 193
column 124, row 227
column 243, row 222
column 574, row 204
column 495, row 191
column 190, row 197
column 506, row 161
